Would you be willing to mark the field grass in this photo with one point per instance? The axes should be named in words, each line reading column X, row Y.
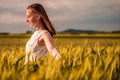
column 84, row 57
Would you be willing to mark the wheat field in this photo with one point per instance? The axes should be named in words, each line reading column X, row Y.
column 82, row 59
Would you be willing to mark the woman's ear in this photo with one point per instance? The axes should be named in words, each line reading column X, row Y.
column 38, row 16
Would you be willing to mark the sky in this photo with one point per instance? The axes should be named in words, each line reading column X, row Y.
column 100, row 15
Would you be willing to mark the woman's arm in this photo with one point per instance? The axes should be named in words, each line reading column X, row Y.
column 50, row 45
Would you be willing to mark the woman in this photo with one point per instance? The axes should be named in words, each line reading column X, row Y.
column 41, row 42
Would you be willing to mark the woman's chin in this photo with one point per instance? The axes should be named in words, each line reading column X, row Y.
column 31, row 27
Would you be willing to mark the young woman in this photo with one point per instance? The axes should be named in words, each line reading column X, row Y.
column 41, row 42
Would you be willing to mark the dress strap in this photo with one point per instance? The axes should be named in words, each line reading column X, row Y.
column 43, row 32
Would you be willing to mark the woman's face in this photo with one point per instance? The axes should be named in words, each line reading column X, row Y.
column 32, row 18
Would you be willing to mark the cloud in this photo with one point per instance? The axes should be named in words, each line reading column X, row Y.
column 64, row 14
column 15, row 28
column 82, row 10
column 9, row 18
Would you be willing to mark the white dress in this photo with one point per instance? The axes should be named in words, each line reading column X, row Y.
column 33, row 50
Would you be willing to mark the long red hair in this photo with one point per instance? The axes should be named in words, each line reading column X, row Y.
column 38, row 8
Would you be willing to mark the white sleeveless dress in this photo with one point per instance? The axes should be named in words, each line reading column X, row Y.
column 33, row 50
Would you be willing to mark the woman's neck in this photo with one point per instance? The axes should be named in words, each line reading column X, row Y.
column 39, row 27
